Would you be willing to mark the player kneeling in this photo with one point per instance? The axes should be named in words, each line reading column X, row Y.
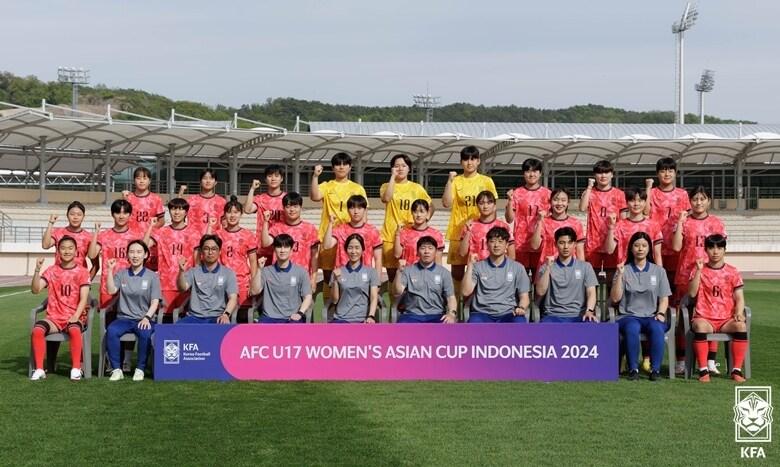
column 425, row 288
column 66, row 308
column 720, row 306
column 500, row 284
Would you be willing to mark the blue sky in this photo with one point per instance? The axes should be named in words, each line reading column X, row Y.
column 543, row 54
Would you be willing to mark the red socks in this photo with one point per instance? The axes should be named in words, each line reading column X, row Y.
column 74, row 332
column 39, row 346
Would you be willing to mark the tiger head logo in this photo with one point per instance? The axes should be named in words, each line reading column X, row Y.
column 752, row 414
column 171, row 351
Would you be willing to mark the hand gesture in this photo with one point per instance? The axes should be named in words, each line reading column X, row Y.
column 451, row 176
column 332, row 220
column 267, row 216
column 621, row 267
column 473, row 258
column 39, row 263
column 182, row 189
column 591, row 182
column 468, row 225
column 318, row 170
column 255, row 184
column 152, row 223
column 111, row 263
column 649, row 183
column 97, row 227
column 394, row 171
column 612, row 219
column 337, row 273
column 261, row 261
column 550, row 261
column 182, row 263
column 541, row 215
column 53, row 218
column 398, row 230
column 401, row 264
column 125, row 194
column 699, row 264
column 683, row 216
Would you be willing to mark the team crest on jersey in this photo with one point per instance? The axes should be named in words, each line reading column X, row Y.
column 221, row 280
column 144, row 284
column 578, row 274
column 653, row 280
column 293, row 280
column 510, row 277
column 364, row 276
column 437, row 279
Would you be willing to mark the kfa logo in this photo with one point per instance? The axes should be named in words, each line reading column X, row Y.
column 171, row 352
column 753, row 418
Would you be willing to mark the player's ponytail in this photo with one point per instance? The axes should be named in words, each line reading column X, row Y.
column 233, row 203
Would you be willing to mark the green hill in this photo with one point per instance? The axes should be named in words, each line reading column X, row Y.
column 29, row 91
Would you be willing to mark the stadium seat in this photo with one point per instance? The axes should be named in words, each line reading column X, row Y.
column 668, row 337
column 129, row 337
column 713, row 336
column 58, row 337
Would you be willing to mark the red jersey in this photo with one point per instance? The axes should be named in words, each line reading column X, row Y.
column 173, row 243
column 371, row 239
column 266, row 202
column 665, row 209
column 83, row 238
column 145, row 209
column 600, row 206
column 479, row 230
column 549, row 227
column 527, row 204
column 113, row 244
column 626, row 228
column 201, row 208
column 236, row 247
column 409, row 237
column 694, row 233
column 64, row 290
column 715, row 299
column 305, row 236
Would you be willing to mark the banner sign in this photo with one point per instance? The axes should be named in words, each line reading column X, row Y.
column 542, row 352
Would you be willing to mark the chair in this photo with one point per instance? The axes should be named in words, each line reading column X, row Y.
column 129, row 337
column 668, row 337
column 86, row 336
column 714, row 336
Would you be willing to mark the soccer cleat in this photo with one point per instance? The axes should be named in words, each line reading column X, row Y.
column 76, row 374
column 116, row 375
column 654, row 375
column 645, row 365
column 38, row 374
column 737, row 376
column 679, row 367
column 138, row 375
column 633, row 375
column 704, row 376
column 712, row 365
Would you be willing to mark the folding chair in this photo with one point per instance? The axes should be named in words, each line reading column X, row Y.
column 668, row 337
column 690, row 358
column 86, row 336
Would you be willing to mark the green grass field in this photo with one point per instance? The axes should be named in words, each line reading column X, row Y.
column 96, row 422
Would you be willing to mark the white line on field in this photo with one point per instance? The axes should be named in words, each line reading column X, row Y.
column 14, row 293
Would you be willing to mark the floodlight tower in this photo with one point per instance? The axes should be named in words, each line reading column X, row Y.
column 74, row 77
column 687, row 20
column 706, row 84
column 428, row 102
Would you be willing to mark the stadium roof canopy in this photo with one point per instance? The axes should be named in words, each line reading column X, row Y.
column 77, row 141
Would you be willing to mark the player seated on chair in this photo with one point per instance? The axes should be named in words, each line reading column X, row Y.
column 565, row 285
column 500, row 285
column 66, row 308
column 641, row 290
column 138, row 302
column 720, row 306
column 354, row 287
column 425, row 288
column 285, row 285
column 214, row 292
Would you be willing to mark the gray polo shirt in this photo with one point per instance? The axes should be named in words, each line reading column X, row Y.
column 283, row 290
column 354, row 292
column 568, row 287
column 136, row 292
column 210, row 289
column 642, row 288
column 498, row 286
column 427, row 289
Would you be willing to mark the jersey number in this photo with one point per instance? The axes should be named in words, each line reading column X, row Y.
column 603, row 212
column 229, row 251
column 177, row 249
column 119, row 252
column 142, row 216
column 65, row 290
column 470, row 200
column 404, row 204
column 715, row 291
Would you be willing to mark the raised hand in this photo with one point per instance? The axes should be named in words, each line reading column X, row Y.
column 550, row 261
column 255, row 184
column 541, row 215
column 212, row 221
column 699, row 264
column 318, row 170
column 337, row 273
column 649, row 183
column 621, row 267
column 401, row 264
column 473, row 258
column 683, row 216
column 612, row 219
column 468, row 225
column 53, row 218
column 452, row 175
column 97, row 227
column 261, row 261
column 125, row 194
column 39, row 263
column 394, row 171
column 267, row 215
column 591, row 182
column 182, row 263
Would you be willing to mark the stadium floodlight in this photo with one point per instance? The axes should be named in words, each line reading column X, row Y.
column 687, row 20
column 74, row 77
column 706, row 84
column 428, row 102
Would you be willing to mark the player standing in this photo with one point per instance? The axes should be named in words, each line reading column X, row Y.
column 525, row 203
column 271, row 201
